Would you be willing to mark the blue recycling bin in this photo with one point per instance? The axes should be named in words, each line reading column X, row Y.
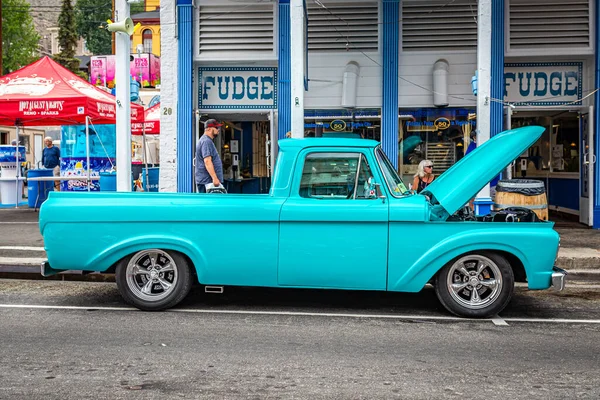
column 37, row 191
column 108, row 181
column 152, row 185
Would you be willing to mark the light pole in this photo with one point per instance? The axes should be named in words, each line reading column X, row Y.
column 483, row 200
column 123, row 128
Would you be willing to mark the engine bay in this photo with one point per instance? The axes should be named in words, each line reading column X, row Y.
column 510, row 214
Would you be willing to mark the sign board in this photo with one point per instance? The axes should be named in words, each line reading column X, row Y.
column 237, row 88
column 543, row 84
column 144, row 68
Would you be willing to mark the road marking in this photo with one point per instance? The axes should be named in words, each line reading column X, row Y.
column 311, row 314
column 26, row 248
column 21, row 260
column 499, row 321
column 17, row 223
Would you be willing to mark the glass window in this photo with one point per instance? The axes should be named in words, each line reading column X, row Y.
column 558, row 148
column 336, row 176
column 147, row 40
column 439, row 135
column 360, row 124
column 392, row 179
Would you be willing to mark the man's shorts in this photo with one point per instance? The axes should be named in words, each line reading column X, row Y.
column 56, row 170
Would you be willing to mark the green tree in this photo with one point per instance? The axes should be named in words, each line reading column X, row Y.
column 19, row 38
column 67, row 37
column 90, row 15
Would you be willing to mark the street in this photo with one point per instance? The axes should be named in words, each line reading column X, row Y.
column 76, row 340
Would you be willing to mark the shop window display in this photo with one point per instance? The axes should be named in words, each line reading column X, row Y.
column 365, row 124
column 558, row 148
column 440, row 135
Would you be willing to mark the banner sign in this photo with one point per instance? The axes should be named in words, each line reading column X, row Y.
column 543, row 84
column 237, row 88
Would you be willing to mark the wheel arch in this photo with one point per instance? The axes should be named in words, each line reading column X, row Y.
column 113, row 255
column 431, row 263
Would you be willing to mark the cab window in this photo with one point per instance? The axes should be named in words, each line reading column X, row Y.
column 336, row 176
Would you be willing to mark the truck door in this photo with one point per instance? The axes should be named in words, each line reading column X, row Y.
column 333, row 229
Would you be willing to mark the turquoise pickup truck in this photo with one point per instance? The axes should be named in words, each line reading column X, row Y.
column 337, row 216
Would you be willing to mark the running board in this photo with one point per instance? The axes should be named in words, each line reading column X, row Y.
column 213, row 289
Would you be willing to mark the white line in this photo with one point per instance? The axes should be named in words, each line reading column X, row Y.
column 21, row 260
column 312, row 314
column 26, row 248
column 499, row 321
column 67, row 307
column 17, row 223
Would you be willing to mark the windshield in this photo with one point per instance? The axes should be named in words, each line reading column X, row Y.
column 393, row 180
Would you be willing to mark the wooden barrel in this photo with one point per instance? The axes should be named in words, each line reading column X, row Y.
column 526, row 193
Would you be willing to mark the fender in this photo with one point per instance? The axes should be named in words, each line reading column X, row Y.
column 110, row 255
column 510, row 241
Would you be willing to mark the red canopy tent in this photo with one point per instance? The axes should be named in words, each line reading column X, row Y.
column 151, row 124
column 46, row 93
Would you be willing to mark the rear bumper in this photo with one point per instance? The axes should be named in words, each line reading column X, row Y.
column 558, row 278
column 46, row 270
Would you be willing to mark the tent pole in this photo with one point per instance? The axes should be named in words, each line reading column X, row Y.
column 87, row 149
column 18, row 171
column 144, row 151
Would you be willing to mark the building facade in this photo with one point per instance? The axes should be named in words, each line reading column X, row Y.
column 400, row 72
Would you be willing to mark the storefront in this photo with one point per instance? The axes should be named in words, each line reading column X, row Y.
column 243, row 99
column 549, row 94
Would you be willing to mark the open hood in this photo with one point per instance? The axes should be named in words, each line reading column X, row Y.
column 461, row 182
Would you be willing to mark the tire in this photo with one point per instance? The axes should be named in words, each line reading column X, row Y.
column 489, row 273
column 154, row 279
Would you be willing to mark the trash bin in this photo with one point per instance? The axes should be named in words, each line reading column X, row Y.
column 152, row 185
column 37, row 191
column 108, row 181
column 526, row 193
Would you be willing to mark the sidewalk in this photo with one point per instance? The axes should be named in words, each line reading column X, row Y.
column 22, row 249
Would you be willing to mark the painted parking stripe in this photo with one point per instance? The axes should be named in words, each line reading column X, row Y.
column 25, row 248
column 310, row 314
column 18, row 223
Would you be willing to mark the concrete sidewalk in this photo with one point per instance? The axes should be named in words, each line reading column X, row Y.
column 22, row 249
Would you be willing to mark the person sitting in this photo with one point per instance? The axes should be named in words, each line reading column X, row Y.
column 424, row 176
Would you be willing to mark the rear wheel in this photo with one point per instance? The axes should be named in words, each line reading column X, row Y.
column 475, row 285
column 154, row 279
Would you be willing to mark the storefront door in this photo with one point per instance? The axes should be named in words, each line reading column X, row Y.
column 586, row 205
column 244, row 145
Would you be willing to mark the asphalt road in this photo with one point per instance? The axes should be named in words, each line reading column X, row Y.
column 259, row 344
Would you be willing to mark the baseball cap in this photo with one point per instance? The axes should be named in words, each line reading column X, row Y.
column 212, row 123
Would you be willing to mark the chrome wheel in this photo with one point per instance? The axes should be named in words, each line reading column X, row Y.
column 474, row 281
column 151, row 275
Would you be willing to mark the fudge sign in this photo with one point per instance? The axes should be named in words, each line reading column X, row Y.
column 543, row 84
column 237, row 88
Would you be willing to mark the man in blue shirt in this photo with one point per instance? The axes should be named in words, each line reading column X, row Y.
column 51, row 159
column 209, row 167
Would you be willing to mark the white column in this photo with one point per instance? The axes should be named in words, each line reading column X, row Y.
column 122, row 77
column 169, row 65
column 484, row 66
column 298, row 54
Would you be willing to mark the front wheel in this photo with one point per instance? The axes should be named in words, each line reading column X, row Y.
column 476, row 285
column 154, row 279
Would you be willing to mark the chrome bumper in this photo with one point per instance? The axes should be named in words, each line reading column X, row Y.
column 46, row 270
column 558, row 278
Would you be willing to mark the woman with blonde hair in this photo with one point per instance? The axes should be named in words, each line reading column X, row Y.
column 424, row 176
